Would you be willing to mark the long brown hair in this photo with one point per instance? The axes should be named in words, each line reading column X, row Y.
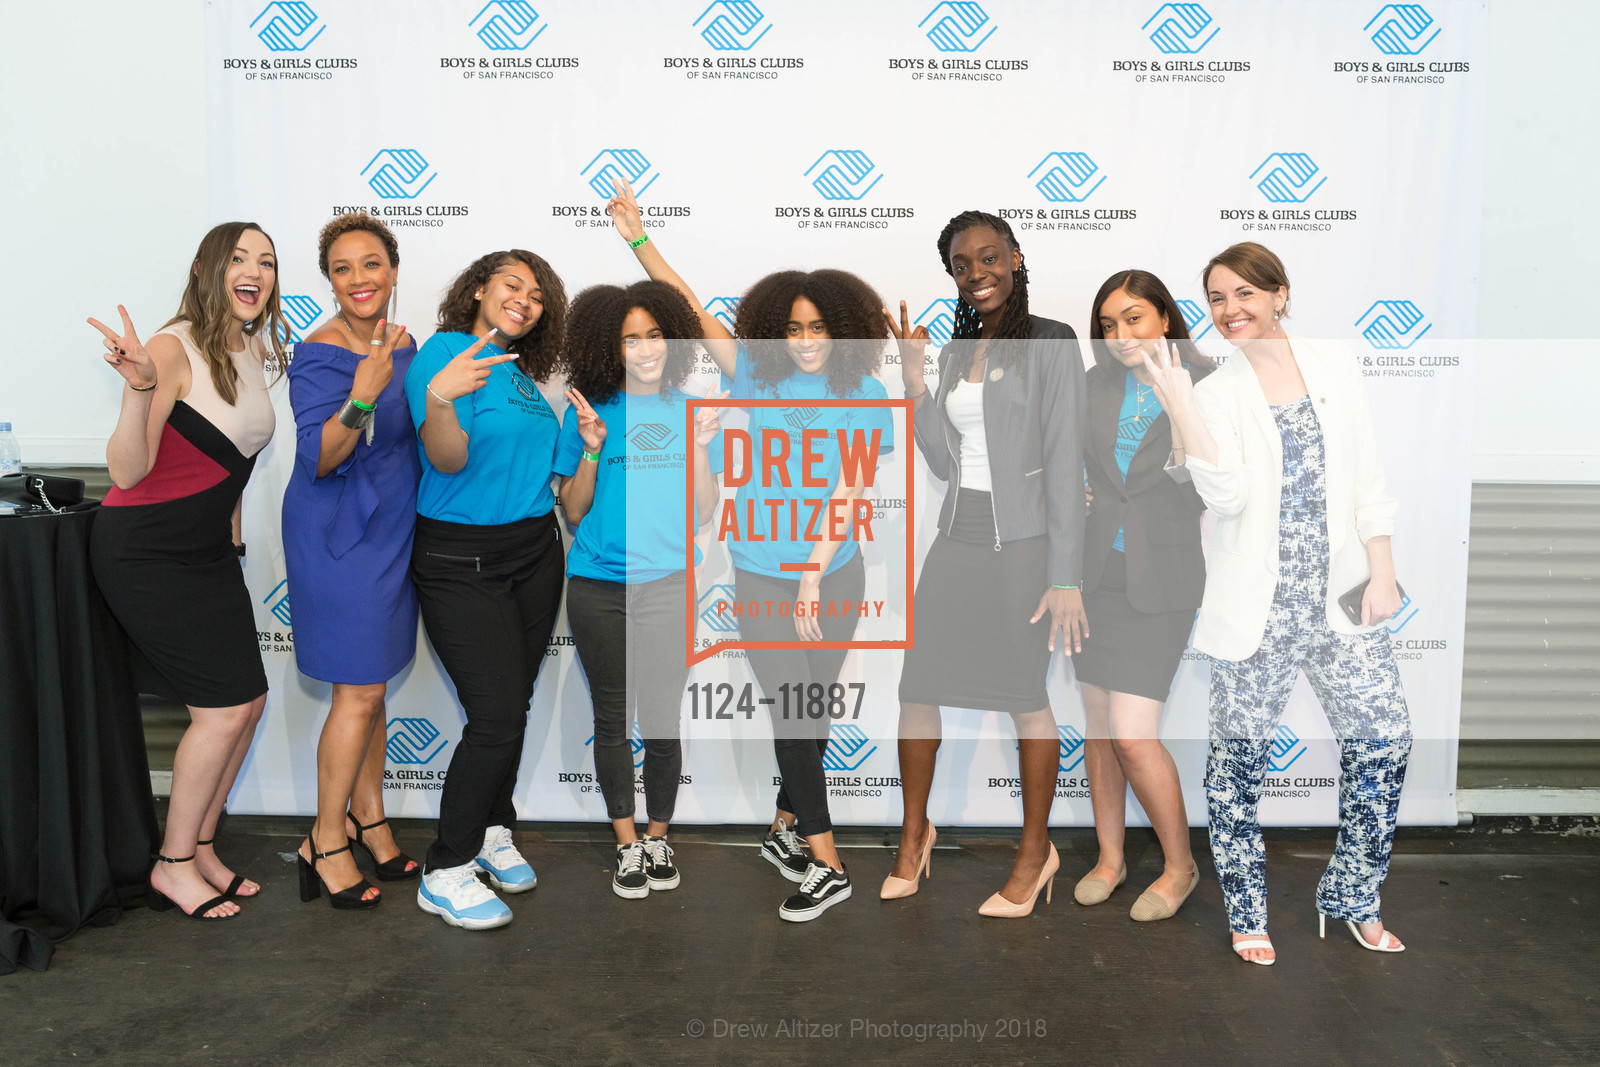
column 207, row 306
column 539, row 350
column 1142, row 285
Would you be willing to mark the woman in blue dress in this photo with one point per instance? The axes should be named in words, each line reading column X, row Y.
column 348, row 517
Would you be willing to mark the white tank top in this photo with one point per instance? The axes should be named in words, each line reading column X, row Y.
column 964, row 403
column 250, row 420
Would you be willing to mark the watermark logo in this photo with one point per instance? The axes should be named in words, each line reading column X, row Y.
column 723, row 622
column 725, row 309
column 508, row 25
column 616, row 163
column 1393, row 324
column 959, row 26
column 1193, row 315
column 940, row 319
column 731, row 25
column 413, row 741
column 652, row 436
column 1071, row 748
column 1286, row 749
column 1288, row 177
column 848, row 748
column 398, row 174
column 300, row 312
column 842, row 173
column 277, row 602
column 1402, row 29
column 287, row 25
column 636, row 742
column 1180, row 29
column 1070, row 177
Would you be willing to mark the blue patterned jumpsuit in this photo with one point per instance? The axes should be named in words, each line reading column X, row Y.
column 1358, row 684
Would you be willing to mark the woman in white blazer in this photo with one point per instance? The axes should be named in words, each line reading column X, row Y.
column 1281, row 447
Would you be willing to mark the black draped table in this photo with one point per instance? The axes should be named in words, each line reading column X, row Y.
column 77, row 820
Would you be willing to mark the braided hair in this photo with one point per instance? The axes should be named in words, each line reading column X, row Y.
column 1013, row 324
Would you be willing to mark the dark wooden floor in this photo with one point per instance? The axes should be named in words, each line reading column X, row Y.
column 1503, row 967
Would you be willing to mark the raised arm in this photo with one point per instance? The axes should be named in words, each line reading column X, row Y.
column 624, row 212
column 577, row 488
column 153, row 379
column 443, row 439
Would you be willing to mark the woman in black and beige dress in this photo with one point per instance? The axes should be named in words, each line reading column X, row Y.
column 166, row 547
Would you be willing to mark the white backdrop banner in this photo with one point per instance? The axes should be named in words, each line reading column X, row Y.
column 1348, row 137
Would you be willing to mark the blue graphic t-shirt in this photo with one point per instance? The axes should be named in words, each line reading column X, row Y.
column 1140, row 409
column 634, row 531
column 511, row 441
column 778, row 547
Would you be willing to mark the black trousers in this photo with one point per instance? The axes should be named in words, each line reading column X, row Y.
column 489, row 597
column 630, row 642
column 799, row 741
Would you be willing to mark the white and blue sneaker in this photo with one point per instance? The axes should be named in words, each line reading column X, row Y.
column 499, row 858
column 456, row 896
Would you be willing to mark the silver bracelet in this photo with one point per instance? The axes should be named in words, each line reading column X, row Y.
column 436, row 396
column 352, row 416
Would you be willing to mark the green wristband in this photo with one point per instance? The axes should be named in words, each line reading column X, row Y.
column 641, row 239
column 363, row 407
column 593, row 456
column 1063, row 587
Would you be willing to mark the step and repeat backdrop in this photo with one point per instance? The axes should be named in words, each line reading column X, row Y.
column 768, row 135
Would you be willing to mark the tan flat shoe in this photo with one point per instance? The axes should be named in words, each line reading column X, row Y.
column 1150, row 906
column 1095, row 890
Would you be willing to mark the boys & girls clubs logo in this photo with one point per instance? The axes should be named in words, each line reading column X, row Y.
column 287, row 30
column 398, row 177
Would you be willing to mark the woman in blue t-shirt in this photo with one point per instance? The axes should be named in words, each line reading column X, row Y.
column 801, row 337
column 624, row 467
column 487, row 559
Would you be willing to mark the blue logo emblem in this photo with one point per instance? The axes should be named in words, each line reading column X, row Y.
column 414, row 741
column 288, row 26
column 302, row 312
column 636, row 742
column 507, row 25
column 1393, row 324
column 733, row 27
column 1286, row 749
column 956, row 26
column 848, row 748
column 277, row 602
column 652, row 436
column 1288, row 177
column 1068, row 178
column 725, row 623
column 845, row 176
column 614, row 163
column 1071, row 748
column 1398, row 621
column 398, row 174
column 1194, row 315
column 940, row 319
column 1180, row 29
column 1402, row 29
column 725, row 309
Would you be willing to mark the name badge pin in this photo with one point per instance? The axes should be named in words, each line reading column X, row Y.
column 996, row 374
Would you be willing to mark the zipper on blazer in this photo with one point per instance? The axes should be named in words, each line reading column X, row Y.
column 476, row 561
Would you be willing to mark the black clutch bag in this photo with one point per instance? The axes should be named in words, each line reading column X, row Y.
column 1351, row 601
column 47, row 492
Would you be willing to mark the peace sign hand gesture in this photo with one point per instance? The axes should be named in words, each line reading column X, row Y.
column 624, row 211
column 126, row 352
column 466, row 373
column 591, row 427
column 1173, row 385
column 913, row 344
column 708, row 420
column 374, row 372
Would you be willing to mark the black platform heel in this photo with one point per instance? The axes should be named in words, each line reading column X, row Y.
column 238, row 879
column 312, row 885
column 159, row 901
column 399, row 869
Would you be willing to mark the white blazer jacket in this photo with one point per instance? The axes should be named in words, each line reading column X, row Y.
column 1242, row 489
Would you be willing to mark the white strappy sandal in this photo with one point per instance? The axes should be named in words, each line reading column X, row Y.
column 1387, row 943
column 1256, row 942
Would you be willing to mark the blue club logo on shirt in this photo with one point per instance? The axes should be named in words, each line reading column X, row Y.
column 799, row 417
column 652, row 436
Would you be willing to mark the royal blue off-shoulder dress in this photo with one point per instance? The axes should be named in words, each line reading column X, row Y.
column 347, row 536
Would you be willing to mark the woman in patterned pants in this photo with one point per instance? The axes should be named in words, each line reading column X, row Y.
column 1282, row 449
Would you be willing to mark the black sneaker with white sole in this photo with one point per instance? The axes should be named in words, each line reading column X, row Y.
column 823, row 888
column 781, row 848
column 629, row 881
column 658, row 865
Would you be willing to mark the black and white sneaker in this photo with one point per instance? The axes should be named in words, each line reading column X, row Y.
column 781, row 848
column 823, row 888
column 630, row 882
column 658, row 866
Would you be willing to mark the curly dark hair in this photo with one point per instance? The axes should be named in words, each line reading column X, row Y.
column 537, row 351
column 1013, row 324
column 592, row 352
column 1142, row 285
column 851, row 309
column 349, row 222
